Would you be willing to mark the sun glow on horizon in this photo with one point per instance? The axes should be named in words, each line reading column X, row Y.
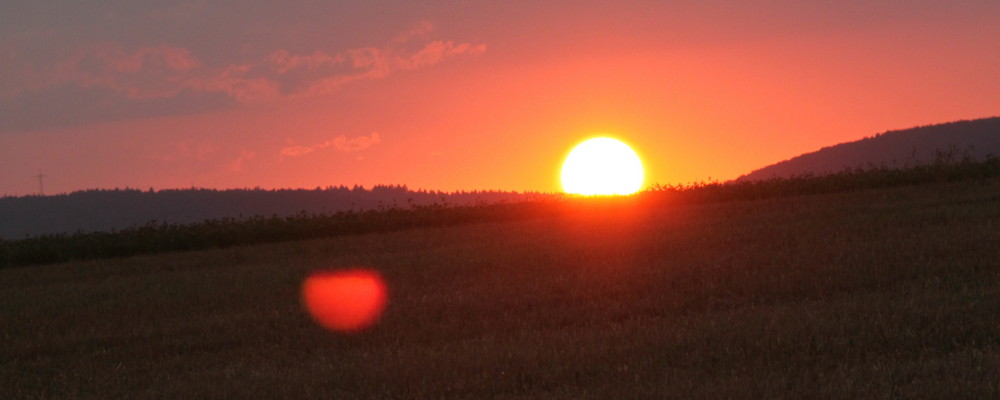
column 602, row 166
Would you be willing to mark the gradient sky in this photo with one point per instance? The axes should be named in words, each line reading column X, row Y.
column 464, row 95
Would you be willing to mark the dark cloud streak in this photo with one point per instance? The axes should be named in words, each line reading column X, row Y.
column 110, row 81
column 71, row 105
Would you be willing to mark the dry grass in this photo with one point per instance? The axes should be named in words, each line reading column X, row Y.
column 889, row 293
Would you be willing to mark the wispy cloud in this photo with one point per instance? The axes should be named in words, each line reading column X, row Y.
column 147, row 80
column 147, row 72
column 237, row 164
column 282, row 73
column 341, row 143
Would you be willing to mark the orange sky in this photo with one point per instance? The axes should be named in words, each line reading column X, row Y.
column 452, row 96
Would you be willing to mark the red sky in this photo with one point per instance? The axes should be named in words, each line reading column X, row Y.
column 459, row 96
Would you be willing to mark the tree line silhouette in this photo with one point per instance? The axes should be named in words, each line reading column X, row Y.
column 156, row 237
column 116, row 209
column 976, row 139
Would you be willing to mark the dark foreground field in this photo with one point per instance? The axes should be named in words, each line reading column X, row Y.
column 888, row 293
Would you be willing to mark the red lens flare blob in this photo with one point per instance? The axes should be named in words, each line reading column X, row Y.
column 347, row 301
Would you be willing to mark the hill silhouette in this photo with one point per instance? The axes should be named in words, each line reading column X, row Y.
column 115, row 209
column 948, row 142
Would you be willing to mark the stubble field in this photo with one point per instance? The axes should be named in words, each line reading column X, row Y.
column 883, row 293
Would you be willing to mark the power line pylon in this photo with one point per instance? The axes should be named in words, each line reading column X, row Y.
column 41, row 185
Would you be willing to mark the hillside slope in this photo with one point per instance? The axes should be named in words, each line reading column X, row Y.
column 975, row 138
column 875, row 294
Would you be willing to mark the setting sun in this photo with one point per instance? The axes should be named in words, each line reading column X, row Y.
column 602, row 166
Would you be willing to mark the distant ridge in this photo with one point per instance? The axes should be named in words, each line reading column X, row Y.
column 976, row 139
column 105, row 210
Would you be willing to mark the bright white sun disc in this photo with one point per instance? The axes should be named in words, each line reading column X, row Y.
column 602, row 166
